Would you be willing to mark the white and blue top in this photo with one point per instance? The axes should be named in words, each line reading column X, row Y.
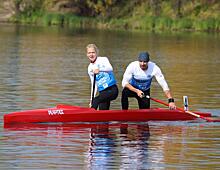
column 105, row 78
column 141, row 79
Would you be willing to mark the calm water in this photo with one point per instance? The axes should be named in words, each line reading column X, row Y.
column 41, row 67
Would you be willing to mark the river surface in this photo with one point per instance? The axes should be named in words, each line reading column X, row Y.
column 44, row 66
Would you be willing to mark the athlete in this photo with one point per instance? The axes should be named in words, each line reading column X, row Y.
column 105, row 82
column 137, row 82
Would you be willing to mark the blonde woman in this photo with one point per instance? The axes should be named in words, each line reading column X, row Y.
column 102, row 79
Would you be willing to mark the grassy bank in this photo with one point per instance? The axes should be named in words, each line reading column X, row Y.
column 146, row 23
column 157, row 15
column 48, row 19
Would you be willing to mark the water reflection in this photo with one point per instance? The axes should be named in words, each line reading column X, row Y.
column 44, row 146
column 113, row 145
column 128, row 148
column 110, row 145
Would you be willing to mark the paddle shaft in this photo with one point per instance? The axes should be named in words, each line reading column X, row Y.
column 180, row 109
column 93, row 88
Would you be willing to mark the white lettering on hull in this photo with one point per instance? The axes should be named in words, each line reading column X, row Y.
column 55, row 112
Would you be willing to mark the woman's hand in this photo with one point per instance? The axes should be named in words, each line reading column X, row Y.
column 90, row 103
column 96, row 71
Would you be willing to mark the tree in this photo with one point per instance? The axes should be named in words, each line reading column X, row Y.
column 17, row 4
column 155, row 6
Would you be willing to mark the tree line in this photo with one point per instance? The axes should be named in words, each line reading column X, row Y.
column 106, row 8
column 123, row 11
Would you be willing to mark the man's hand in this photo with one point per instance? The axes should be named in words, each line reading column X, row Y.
column 172, row 106
column 140, row 93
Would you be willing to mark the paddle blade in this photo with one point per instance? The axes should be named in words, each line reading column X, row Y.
column 213, row 119
column 208, row 119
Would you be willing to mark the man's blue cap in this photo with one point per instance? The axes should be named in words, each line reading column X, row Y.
column 144, row 56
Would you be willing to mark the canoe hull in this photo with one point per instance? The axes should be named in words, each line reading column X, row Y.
column 63, row 113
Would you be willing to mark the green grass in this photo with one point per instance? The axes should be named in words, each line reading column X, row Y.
column 209, row 24
column 182, row 24
column 148, row 23
column 145, row 23
column 163, row 24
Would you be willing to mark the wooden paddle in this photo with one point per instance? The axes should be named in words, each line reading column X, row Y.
column 208, row 119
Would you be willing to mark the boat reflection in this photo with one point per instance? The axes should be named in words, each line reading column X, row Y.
column 125, row 145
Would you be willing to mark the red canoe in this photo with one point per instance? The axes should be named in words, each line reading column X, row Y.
column 65, row 113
